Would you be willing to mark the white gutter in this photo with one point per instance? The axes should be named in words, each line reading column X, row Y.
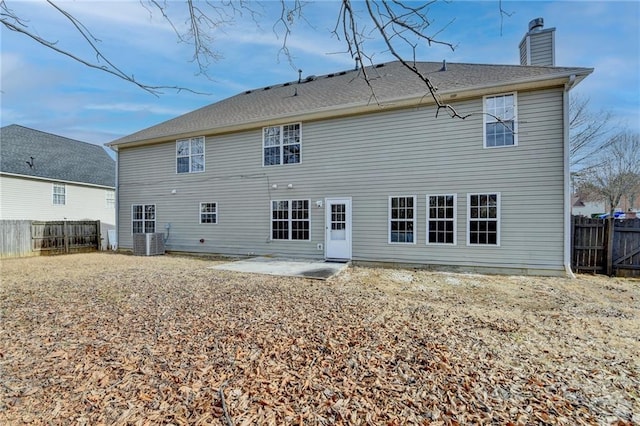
column 567, row 178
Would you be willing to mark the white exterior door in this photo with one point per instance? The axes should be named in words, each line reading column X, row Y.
column 338, row 228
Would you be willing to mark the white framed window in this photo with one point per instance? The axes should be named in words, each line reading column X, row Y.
column 109, row 199
column 143, row 218
column 209, row 213
column 290, row 220
column 190, row 155
column 281, row 144
column 500, row 125
column 441, row 218
column 483, row 219
column 59, row 194
column 402, row 219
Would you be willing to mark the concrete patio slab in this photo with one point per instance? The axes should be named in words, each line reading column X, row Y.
column 316, row 269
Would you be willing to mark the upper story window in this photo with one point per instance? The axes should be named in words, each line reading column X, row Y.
column 500, row 127
column 209, row 213
column 190, row 155
column 483, row 216
column 441, row 219
column 143, row 218
column 281, row 144
column 402, row 219
column 59, row 194
column 110, row 198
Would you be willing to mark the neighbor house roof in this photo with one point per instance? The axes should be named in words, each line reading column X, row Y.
column 347, row 92
column 30, row 152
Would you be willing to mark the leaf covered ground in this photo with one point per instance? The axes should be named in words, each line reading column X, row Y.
column 114, row 339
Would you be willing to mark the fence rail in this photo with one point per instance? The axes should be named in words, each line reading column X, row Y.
column 22, row 238
column 591, row 252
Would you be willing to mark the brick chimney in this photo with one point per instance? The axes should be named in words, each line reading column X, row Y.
column 538, row 45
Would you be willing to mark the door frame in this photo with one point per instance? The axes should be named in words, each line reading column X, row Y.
column 327, row 220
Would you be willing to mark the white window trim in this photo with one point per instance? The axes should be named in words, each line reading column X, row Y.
column 155, row 217
column 485, row 121
column 454, row 220
column 289, row 219
column 204, row 156
column 217, row 213
column 281, row 145
column 498, row 218
column 53, row 193
column 415, row 220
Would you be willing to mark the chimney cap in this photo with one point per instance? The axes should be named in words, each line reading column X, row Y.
column 536, row 24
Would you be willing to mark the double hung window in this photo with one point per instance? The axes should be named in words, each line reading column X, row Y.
column 209, row 213
column 500, row 121
column 59, row 194
column 483, row 213
column 441, row 219
column 143, row 218
column 110, row 198
column 281, row 144
column 190, row 155
column 290, row 220
column 402, row 219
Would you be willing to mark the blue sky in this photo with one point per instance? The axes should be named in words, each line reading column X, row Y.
column 47, row 91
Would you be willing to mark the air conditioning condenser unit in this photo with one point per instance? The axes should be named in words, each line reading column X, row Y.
column 148, row 244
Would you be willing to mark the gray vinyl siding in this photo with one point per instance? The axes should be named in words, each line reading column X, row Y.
column 542, row 48
column 368, row 158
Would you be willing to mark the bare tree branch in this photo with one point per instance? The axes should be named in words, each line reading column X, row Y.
column 588, row 133
column 617, row 174
column 14, row 23
column 400, row 25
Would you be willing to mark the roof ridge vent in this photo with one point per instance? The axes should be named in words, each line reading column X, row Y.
column 310, row 78
column 379, row 66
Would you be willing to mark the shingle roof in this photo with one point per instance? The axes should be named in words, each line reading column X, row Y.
column 390, row 82
column 54, row 157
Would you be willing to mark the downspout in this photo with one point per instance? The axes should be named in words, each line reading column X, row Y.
column 117, row 199
column 567, row 178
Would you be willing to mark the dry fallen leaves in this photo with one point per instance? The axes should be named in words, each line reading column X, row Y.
column 114, row 339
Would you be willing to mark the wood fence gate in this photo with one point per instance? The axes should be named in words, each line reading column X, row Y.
column 590, row 252
column 65, row 236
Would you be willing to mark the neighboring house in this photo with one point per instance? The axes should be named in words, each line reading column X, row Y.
column 581, row 207
column 317, row 168
column 49, row 177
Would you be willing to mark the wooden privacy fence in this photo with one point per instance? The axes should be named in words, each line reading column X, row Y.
column 590, row 251
column 15, row 238
column 65, row 236
column 20, row 238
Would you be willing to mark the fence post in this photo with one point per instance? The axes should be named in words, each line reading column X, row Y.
column 65, row 236
column 609, row 231
column 99, row 236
